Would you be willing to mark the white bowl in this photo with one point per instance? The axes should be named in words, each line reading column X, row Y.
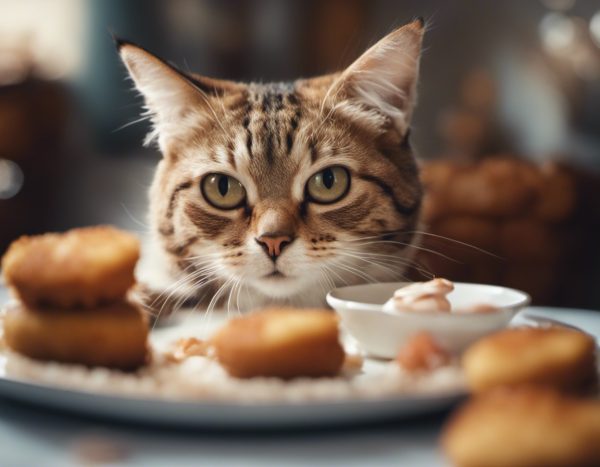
column 382, row 333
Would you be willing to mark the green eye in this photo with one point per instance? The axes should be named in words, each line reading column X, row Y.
column 328, row 185
column 223, row 191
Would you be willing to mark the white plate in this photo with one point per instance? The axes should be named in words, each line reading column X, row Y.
column 382, row 333
column 240, row 416
column 223, row 415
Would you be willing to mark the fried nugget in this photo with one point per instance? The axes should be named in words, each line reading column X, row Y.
column 525, row 427
column 113, row 336
column 281, row 342
column 557, row 357
column 80, row 268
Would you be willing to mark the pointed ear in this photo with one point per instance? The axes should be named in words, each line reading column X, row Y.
column 167, row 91
column 169, row 94
column 384, row 78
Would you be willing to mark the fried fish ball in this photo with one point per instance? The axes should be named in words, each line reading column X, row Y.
column 113, row 336
column 281, row 342
column 525, row 427
column 557, row 357
column 81, row 267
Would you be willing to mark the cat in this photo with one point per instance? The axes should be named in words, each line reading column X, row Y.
column 276, row 193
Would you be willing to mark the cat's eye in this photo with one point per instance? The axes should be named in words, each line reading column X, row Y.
column 329, row 185
column 223, row 191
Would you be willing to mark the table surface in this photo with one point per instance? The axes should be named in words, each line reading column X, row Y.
column 31, row 435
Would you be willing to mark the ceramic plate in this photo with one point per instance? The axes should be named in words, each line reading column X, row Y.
column 243, row 416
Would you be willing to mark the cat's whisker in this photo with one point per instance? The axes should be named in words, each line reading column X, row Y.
column 422, row 232
column 375, row 263
column 357, row 272
column 237, row 296
column 391, row 259
column 232, row 291
column 410, row 245
column 453, row 240
column 128, row 124
column 175, row 288
column 169, row 290
column 332, row 271
column 181, row 283
column 322, row 277
column 329, row 282
column 147, row 228
column 205, row 256
column 217, row 295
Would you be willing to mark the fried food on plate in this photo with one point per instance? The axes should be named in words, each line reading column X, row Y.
column 281, row 342
column 525, row 427
column 422, row 353
column 557, row 357
column 114, row 335
column 82, row 267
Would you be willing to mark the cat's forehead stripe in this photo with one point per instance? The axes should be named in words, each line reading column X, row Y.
column 270, row 124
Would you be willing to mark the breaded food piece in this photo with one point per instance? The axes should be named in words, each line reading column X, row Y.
column 525, row 427
column 281, row 342
column 557, row 357
column 188, row 347
column 113, row 336
column 79, row 268
column 422, row 353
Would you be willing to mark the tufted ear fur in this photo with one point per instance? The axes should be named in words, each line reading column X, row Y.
column 384, row 78
column 169, row 94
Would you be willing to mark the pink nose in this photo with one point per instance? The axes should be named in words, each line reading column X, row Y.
column 274, row 244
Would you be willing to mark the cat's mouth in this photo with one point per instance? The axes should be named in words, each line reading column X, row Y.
column 276, row 274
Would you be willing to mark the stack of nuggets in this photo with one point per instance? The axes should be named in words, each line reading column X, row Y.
column 72, row 306
column 525, row 381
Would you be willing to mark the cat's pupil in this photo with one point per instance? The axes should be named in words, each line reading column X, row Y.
column 328, row 178
column 223, row 185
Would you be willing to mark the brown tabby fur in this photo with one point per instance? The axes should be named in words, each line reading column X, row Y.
column 273, row 138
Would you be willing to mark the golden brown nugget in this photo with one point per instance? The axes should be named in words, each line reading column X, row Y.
column 557, row 357
column 82, row 267
column 526, row 427
column 113, row 336
column 284, row 343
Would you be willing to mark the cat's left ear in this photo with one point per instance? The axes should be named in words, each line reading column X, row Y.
column 384, row 78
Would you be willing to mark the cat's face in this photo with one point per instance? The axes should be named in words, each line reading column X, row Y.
column 285, row 190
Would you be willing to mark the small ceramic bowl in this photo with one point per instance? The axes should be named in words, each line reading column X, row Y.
column 382, row 333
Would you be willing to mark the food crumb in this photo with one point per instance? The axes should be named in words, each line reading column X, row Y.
column 188, row 347
column 422, row 353
column 353, row 362
column 97, row 450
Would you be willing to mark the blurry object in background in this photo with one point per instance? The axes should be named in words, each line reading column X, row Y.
column 569, row 42
column 32, row 123
column 49, row 32
column 537, row 225
column 11, row 179
column 470, row 129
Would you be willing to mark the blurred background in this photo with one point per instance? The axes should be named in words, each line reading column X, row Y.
column 507, row 127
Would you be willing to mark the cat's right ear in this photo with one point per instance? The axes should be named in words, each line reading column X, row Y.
column 168, row 93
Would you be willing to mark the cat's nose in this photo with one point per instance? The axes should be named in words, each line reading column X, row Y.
column 273, row 243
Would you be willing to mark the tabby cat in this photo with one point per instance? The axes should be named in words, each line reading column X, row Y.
column 278, row 192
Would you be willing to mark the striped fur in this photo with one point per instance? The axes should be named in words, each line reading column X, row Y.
column 273, row 138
